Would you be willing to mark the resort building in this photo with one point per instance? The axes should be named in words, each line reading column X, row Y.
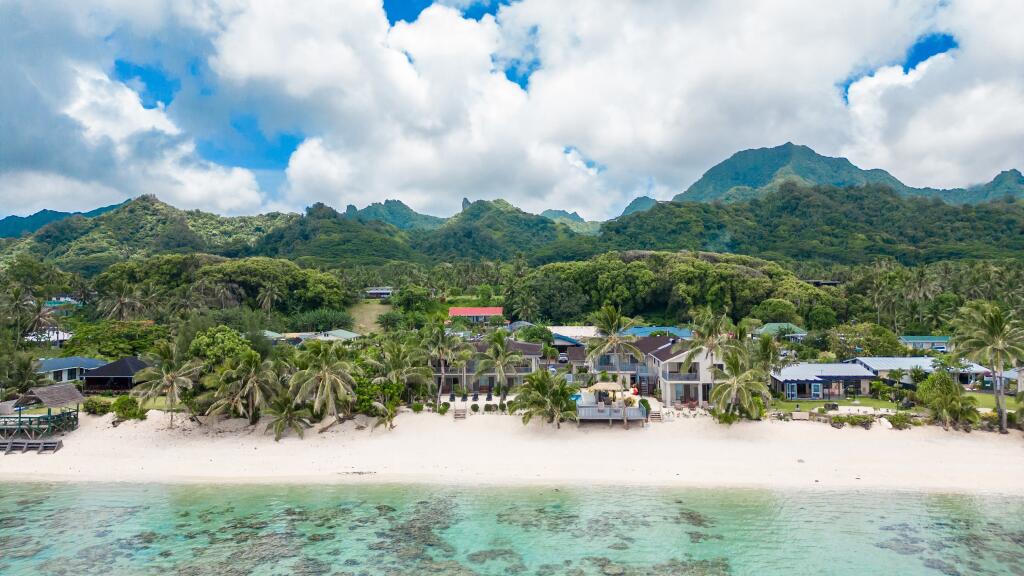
column 808, row 381
column 379, row 292
column 936, row 343
column 681, row 381
column 117, row 376
column 463, row 376
column 68, row 369
column 883, row 366
column 786, row 330
column 476, row 314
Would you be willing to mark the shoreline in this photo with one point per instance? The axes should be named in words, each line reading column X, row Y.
column 498, row 451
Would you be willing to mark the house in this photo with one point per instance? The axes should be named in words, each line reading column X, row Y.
column 475, row 314
column 809, row 381
column 673, row 331
column 573, row 361
column 786, row 330
column 580, row 333
column 54, row 337
column 563, row 343
column 62, row 306
column 118, row 376
column 630, row 367
column 379, row 292
column 68, row 369
column 883, row 366
column 936, row 343
column 679, row 380
column 464, row 377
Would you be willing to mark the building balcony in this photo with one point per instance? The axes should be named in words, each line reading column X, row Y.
column 680, row 376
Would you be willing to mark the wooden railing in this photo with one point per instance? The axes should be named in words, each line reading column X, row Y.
column 38, row 426
column 611, row 413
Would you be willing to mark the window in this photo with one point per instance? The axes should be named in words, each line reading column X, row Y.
column 57, row 375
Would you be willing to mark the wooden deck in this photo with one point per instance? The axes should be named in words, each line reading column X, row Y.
column 37, row 446
column 37, row 426
column 610, row 414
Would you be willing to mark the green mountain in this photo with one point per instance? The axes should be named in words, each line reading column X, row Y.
column 396, row 213
column 753, row 173
column 491, row 230
column 828, row 225
column 141, row 227
column 574, row 221
column 14, row 226
column 639, row 204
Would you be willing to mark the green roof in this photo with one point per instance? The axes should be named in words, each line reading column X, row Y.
column 773, row 328
column 925, row 338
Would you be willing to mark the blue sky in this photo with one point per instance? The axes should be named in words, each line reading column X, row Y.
column 577, row 104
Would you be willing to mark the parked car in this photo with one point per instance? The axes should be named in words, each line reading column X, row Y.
column 563, row 358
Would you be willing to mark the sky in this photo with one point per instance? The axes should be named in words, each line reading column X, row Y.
column 247, row 106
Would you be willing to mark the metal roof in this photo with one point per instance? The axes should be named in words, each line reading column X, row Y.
column 54, row 364
column 908, row 363
column 809, row 372
column 684, row 333
column 925, row 338
column 773, row 328
column 475, row 311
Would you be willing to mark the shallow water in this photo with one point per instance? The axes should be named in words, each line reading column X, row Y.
column 80, row 529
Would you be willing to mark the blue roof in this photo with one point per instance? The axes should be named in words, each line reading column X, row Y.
column 641, row 331
column 572, row 341
column 52, row 364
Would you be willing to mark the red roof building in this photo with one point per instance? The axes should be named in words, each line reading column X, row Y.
column 475, row 313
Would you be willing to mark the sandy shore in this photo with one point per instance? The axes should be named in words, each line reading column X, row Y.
column 494, row 450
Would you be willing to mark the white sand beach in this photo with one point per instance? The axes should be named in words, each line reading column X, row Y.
column 499, row 450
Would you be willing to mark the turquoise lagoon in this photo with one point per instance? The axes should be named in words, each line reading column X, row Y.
column 115, row 529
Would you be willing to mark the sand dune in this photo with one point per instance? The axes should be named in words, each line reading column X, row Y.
column 492, row 449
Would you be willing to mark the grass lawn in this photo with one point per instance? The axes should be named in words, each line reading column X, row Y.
column 811, row 405
column 989, row 400
column 365, row 314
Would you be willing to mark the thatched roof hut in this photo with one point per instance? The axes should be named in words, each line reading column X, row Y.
column 55, row 396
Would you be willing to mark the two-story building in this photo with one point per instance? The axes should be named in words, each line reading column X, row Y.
column 464, row 377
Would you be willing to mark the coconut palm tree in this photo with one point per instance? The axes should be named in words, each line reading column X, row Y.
column 443, row 347
column 399, row 360
column 269, row 296
column 169, row 374
column 548, row 396
column 245, row 385
column 500, row 360
column 611, row 324
column 286, row 414
column 946, row 400
column 121, row 303
column 711, row 334
column 20, row 373
column 993, row 337
column 739, row 382
column 325, row 378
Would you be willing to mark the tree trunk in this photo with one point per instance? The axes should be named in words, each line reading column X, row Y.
column 440, row 387
column 1001, row 401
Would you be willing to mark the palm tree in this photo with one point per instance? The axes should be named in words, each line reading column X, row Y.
column 548, row 396
column 245, row 386
column 169, row 374
column 739, row 382
column 121, row 303
column 711, row 334
column 286, row 414
column 611, row 324
column 500, row 360
column 947, row 401
column 987, row 334
column 400, row 361
column 269, row 296
column 443, row 347
column 325, row 378
column 21, row 373
column 896, row 376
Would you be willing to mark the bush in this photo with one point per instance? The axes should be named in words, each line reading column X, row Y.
column 724, row 417
column 862, row 420
column 127, row 408
column 475, row 407
column 489, row 407
column 502, row 407
column 320, row 320
column 645, row 405
column 900, row 420
column 96, row 406
column 990, row 420
column 443, row 408
column 417, row 407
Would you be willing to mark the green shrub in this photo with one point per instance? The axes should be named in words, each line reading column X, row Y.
column 645, row 405
column 862, row 420
column 900, row 420
column 475, row 407
column 127, row 408
column 96, row 406
column 417, row 407
column 502, row 407
column 990, row 420
column 320, row 320
column 443, row 408
column 724, row 417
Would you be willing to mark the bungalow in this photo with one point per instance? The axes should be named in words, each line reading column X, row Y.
column 118, row 376
column 464, row 376
column 786, row 330
column 936, row 343
column 475, row 314
column 808, row 381
column 379, row 292
column 883, row 366
column 68, row 369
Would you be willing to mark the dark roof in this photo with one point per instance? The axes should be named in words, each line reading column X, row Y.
column 648, row 344
column 576, row 354
column 524, row 348
column 53, row 396
column 123, row 368
column 667, row 351
column 51, row 364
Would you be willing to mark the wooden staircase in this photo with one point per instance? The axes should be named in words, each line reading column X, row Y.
column 459, row 413
column 39, row 446
column 655, row 416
